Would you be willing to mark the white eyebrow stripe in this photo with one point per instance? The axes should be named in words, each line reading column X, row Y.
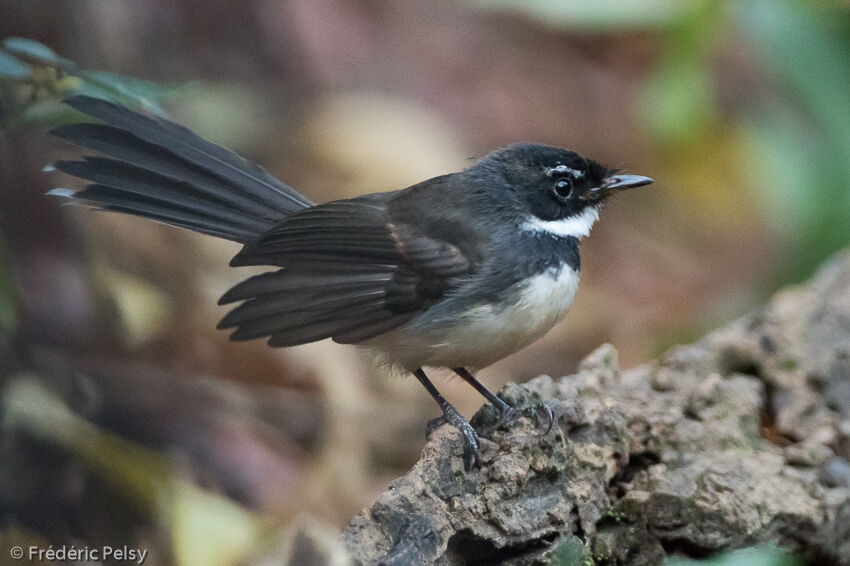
column 561, row 169
column 575, row 226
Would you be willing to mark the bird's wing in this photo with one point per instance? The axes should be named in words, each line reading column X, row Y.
column 349, row 272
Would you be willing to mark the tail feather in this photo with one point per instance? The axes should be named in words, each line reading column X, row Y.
column 186, row 144
column 124, row 177
column 160, row 170
column 126, row 147
column 108, row 198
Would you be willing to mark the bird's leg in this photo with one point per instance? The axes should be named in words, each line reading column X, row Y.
column 497, row 402
column 506, row 412
column 451, row 416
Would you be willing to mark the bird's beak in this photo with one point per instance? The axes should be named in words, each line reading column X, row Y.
column 616, row 183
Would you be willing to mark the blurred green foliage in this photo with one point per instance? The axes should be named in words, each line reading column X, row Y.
column 30, row 52
column 7, row 295
column 570, row 552
column 34, row 80
column 797, row 136
column 601, row 15
column 803, row 138
column 791, row 134
column 12, row 68
column 756, row 556
column 206, row 528
column 679, row 100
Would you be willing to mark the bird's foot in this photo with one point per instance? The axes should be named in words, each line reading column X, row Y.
column 540, row 413
column 450, row 416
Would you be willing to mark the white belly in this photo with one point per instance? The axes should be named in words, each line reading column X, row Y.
column 485, row 333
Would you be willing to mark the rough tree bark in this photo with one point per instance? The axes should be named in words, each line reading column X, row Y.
column 741, row 438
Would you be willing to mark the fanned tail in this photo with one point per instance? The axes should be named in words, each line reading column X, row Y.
column 160, row 170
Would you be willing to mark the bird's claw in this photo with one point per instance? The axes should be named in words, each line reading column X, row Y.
column 539, row 413
column 450, row 416
column 536, row 412
column 540, row 410
column 433, row 425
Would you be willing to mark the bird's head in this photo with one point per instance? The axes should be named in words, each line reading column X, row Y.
column 557, row 190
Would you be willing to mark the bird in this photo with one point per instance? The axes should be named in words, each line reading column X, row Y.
column 457, row 271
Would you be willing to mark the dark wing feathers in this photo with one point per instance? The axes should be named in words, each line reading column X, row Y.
column 292, row 306
column 349, row 273
column 323, row 328
column 285, row 303
column 350, row 231
column 431, row 257
column 369, row 329
column 311, row 281
column 294, row 322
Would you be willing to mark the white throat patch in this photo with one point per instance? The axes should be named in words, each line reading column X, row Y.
column 575, row 226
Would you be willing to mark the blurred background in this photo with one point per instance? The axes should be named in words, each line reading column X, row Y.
column 127, row 418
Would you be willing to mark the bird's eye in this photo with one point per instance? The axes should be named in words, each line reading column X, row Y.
column 563, row 189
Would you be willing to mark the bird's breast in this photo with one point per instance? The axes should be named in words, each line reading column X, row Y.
column 481, row 334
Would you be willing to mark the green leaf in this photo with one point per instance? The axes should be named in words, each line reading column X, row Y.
column 755, row 556
column 8, row 303
column 11, row 68
column 126, row 90
column 599, row 15
column 801, row 140
column 207, row 529
column 47, row 113
column 806, row 47
column 678, row 101
column 569, row 552
column 143, row 475
column 36, row 52
column 210, row 530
